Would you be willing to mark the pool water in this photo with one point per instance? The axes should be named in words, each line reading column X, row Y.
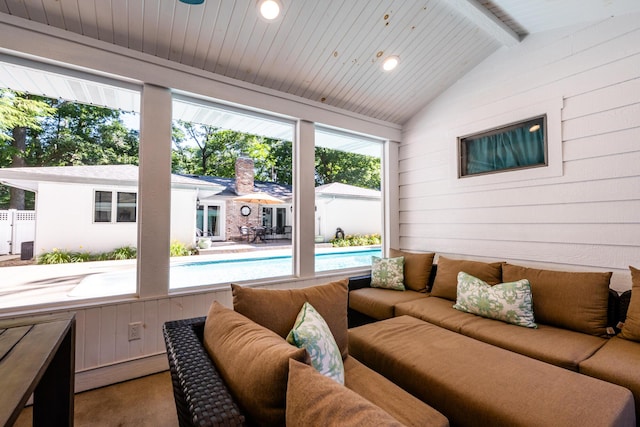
column 201, row 273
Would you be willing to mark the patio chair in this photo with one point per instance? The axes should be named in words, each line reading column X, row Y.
column 244, row 232
column 201, row 396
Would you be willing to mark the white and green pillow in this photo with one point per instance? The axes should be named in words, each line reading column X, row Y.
column 387, row 273
column 510, row 302
column 311, row 332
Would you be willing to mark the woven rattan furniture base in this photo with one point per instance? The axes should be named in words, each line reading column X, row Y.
column 201, row 396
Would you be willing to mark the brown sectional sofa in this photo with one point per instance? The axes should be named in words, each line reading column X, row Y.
column 488, row 372
column 234, row 367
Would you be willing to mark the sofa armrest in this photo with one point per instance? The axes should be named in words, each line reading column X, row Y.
column 201, row 396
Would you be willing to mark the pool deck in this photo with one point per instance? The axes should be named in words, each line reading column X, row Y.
column 38, row 283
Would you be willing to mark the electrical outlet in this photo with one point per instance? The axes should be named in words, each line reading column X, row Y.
column 135, row 331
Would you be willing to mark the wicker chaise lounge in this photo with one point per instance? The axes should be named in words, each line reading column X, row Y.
column 202, row 398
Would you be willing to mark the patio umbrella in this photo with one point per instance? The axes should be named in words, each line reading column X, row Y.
column 259, row 197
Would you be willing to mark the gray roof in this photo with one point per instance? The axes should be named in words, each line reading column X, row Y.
column 338, row 189
column 28, row 177
column 280, row 191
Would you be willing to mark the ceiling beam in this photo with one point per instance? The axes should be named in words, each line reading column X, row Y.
column 486, row 20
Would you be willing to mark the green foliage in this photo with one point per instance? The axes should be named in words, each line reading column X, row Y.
column 57, row 256
column 179, row 249
column 357, row 240
column 347, row 168
column 125, row 252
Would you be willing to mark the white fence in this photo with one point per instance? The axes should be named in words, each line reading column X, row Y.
column 16, row 227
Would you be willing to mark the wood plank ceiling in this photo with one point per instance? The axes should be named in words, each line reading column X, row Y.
column 328, row 51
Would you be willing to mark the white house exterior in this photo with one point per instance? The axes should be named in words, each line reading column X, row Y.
column 353, row 209
column 67, row 201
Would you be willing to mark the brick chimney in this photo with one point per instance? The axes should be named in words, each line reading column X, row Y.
column 244, row 175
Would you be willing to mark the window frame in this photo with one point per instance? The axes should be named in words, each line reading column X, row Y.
column 115, row 207
column 463, row 146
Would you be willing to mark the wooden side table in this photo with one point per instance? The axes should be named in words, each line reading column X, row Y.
column 37, row 355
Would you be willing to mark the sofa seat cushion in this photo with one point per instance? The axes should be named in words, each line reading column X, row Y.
column 313, row 399
column 379, row 303
column 560, row 347
column 383, row 393
column 618, row 362
column 438, row 311
column 475, row 383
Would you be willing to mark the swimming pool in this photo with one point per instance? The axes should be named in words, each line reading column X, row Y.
column 234, row 268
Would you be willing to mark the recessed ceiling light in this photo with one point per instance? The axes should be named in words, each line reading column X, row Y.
column 192, row 1
column 269, row 9
column 390, row 63
column 534, row 128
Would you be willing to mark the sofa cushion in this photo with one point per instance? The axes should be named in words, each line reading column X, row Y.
column 312, row 333
column 572, row 300
column 631, row 328
column 617, row 362
column 387, row 273
column 277, row 309
column 379, row 303
column 313, row 399
column 383, row 393
column 258, row 383
column 474, row 383
column 557, row 346
column 445, row 284
column 417, row 268
column 438, row 311
column 509, row 302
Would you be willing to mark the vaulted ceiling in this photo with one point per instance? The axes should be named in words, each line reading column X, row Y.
column 328, row 51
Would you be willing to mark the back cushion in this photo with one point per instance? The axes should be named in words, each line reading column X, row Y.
column 315, row 400
column 631, row 328
column 253, row 361
column 417, row 268
column 277, row 309
column 445, row 284
column 571, row 300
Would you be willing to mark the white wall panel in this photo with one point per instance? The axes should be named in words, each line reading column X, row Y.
column 584, row 219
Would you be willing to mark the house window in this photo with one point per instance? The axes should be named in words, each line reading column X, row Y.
column 520, row 145
column 102, row 206
column 125, row 207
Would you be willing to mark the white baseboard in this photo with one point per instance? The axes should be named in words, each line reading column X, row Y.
column 119, row 372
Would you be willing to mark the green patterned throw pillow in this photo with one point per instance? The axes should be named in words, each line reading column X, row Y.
column 387, row 273
column 510, row 302
column 311, row 332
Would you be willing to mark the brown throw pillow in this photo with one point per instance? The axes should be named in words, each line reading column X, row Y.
column 631, row 328
column 445, row 284
column 315, row 400
column 567, row 299
column 277, row 309
column 417, row 268
column 253, row 361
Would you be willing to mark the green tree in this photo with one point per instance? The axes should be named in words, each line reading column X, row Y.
column 347, row 168
column 20, row 114
column 37, row 131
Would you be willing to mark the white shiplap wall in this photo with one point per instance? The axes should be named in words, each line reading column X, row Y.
column 586, row 218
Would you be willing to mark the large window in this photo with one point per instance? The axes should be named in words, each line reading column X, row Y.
column 517, row 146
column 348, row 200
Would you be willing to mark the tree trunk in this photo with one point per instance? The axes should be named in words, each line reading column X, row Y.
column 16, row 195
